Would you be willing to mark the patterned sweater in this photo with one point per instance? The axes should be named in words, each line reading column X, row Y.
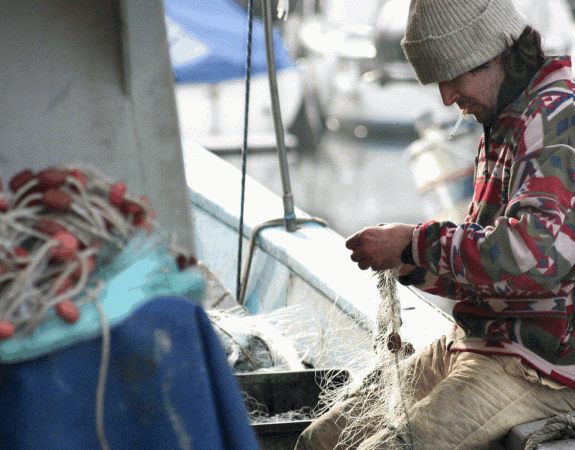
column 511, row 262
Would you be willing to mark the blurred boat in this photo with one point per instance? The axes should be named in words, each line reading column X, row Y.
column 443, row 169
column 554, row 19
column 359, row 78
column 357, row 72
column 208, row 46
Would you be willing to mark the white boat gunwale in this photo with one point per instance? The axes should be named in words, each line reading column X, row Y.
column 313, row 253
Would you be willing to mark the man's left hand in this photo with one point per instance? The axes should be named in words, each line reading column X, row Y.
column 380, row 247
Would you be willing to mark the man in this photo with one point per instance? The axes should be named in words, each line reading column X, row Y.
column 510, row 263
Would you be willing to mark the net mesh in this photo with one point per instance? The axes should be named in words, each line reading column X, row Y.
column 60, row 229
column 378, row 382
column 380, row 391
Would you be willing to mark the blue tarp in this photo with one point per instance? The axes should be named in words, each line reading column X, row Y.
column 208, row 41
column 168, row 387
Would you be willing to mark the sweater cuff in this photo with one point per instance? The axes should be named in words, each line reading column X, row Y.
column 415, row 278
column 407, row 255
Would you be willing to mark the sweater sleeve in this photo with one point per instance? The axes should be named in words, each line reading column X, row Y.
column 444, row 286
column 530, row 248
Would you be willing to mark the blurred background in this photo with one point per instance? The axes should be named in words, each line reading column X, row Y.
column 366, row 143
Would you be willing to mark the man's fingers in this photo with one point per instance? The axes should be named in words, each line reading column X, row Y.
column 364, row 264
column 379, row 247
column 352, row 242
column 357, row 256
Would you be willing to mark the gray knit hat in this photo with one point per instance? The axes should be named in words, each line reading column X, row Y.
column 445, row 38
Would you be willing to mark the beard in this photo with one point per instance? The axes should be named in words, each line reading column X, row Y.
column 482, row 113
column 485, row 115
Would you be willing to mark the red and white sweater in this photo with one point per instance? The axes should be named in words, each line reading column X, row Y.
column 511, row 263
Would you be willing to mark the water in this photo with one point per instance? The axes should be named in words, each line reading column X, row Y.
column 349, row 182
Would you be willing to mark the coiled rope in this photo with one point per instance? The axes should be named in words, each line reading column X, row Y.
column 556, row 428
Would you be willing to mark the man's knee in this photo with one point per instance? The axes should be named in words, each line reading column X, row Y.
column 301, row 443
column 323, row 434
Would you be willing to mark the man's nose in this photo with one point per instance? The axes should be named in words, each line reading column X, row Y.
column 449, row 93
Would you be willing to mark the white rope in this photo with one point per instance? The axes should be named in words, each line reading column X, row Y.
column 102, row 375
column 558, row 427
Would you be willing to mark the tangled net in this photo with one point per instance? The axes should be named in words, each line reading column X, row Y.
column 382, row 390
column 264, row 342
column 56, row 227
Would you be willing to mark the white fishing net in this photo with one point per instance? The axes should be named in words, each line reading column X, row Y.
column 256, row 343
column 381, row 390
column 293, row 338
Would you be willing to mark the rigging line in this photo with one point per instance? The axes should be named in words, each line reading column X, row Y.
column 245, row 144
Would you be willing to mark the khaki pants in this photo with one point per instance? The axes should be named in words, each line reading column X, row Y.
column 464, row 401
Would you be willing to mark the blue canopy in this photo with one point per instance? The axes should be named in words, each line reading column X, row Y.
column 208, row 41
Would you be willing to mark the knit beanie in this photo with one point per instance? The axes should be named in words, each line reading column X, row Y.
column 446, row 38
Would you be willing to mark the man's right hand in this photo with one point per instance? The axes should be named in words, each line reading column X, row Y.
column 380, row 247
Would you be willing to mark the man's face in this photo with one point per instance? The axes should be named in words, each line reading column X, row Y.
column 476, row 90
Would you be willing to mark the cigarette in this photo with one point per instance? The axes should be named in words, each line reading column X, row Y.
column 456, row 126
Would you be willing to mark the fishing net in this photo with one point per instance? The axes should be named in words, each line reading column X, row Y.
column 294, row 338
column 254, row 343
column 58, row 228
column 71, row 238
column 381, row 389
column 279, row 340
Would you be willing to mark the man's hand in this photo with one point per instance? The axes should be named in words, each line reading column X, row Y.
column 380, row 247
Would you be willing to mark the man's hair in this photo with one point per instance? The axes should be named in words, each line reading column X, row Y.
column 524, row 55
